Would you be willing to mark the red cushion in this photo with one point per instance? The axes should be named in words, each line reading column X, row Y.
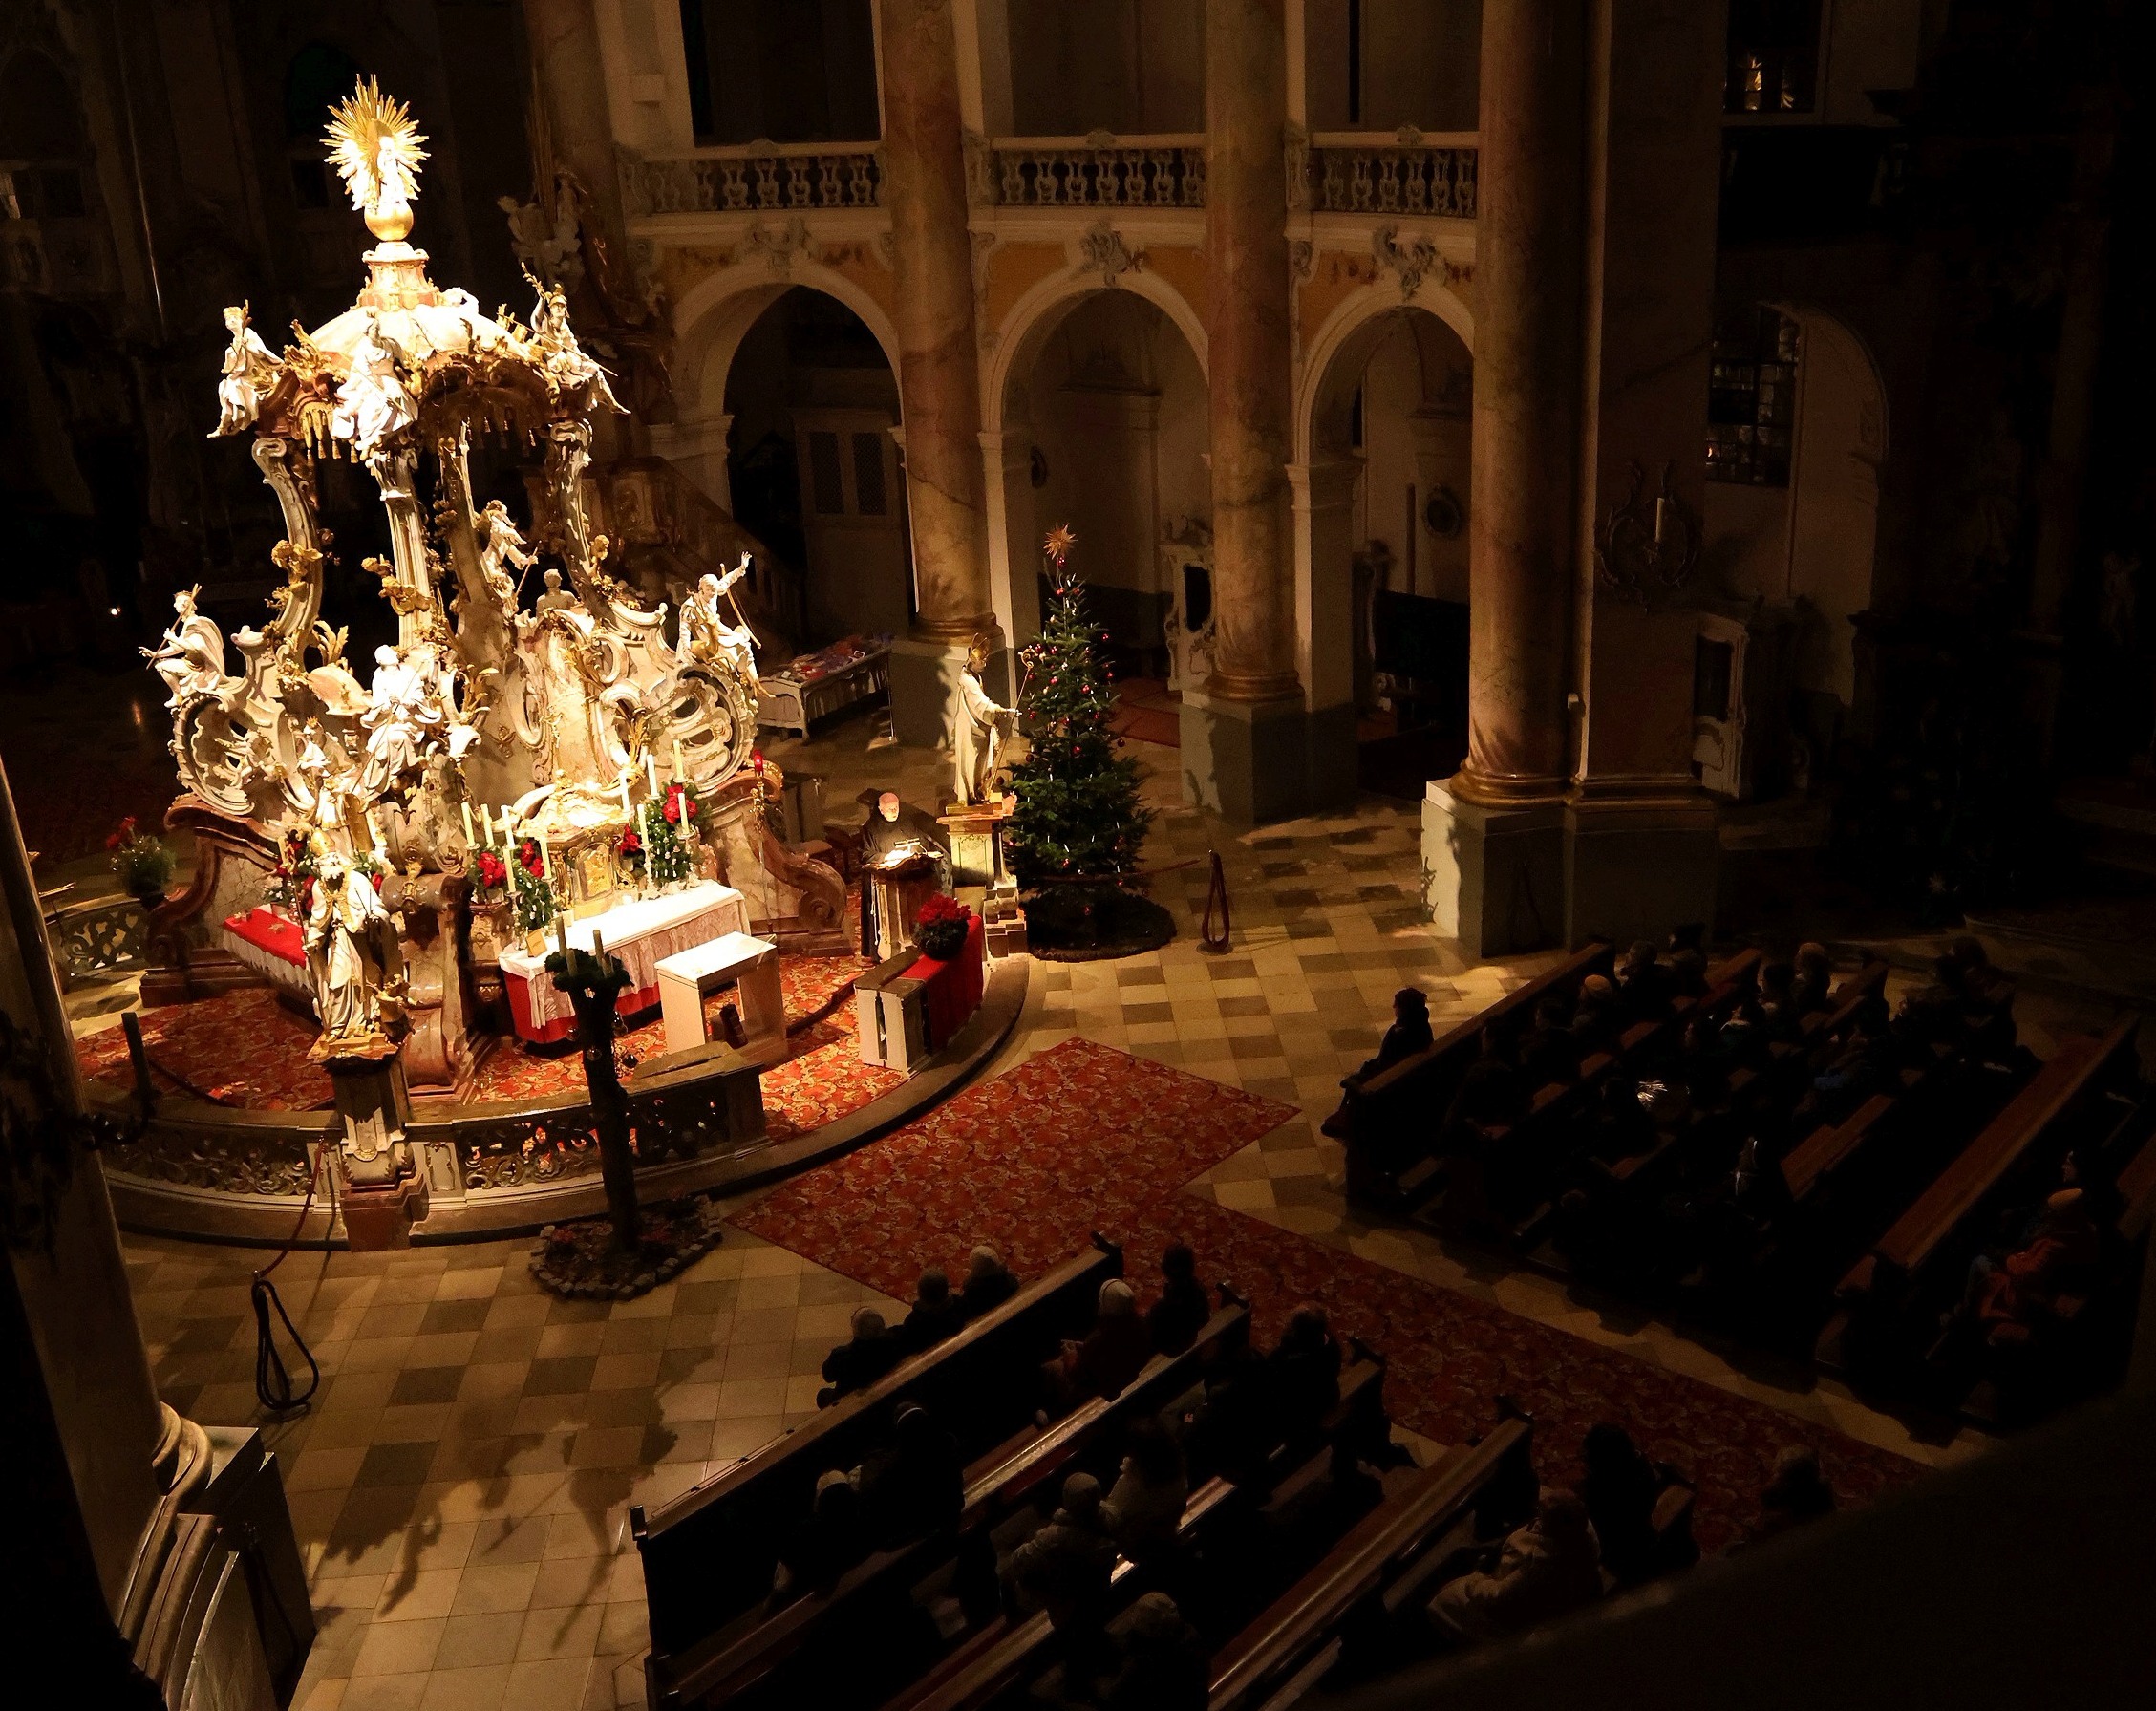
column 274, row 932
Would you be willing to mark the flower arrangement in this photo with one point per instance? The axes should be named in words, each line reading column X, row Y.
column 629, row 847
column 941, row 927
column 290, row 890
column 141, row 860
column 680, row 804
column 536, row 904
column 490, row 870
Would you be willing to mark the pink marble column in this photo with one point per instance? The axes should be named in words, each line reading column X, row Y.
column 1248, row 345
column 939, row 381
column 1523, row 535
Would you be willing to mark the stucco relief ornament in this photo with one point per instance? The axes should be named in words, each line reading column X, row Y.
column 1645, row 546
column 779, row 247
column 1103, row 251
column 1410, row 261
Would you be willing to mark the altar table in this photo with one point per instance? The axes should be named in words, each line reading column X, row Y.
column 641, row 933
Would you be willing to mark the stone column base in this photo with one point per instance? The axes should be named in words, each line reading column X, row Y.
column 1493, row 878
column 1251, row 763
column 1635, row 870
column 925, row 689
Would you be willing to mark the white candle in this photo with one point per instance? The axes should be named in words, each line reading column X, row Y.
column 625, row 793
column 679, row 771
column 562, row 934
column 466, row 807
column 651, row 771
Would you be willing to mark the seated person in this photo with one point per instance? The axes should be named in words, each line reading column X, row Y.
column 2018, row 1296
column 1933, row 1013
column 1305, row 1370
column 989, row 1283
column 1231, row 1431
column 1779, row 1011
column 1145, row 1508
column 1409, row 1034
column 1757, row 1186
column 1108, row 1358
column 913, row 1486
column 1594, row 1016
column 1165, row 1663
column 1491, row 1092
column 1546, row 1569
column 935, row 1314
column 1643, row 985
column 1620, row 1128
column 1064, row 1568
column 1174, row 1320
column 1814, row 979
column 1549, row 1055
column 1621, row 1491
column 1703, row 1061
column 1797, row 1493
column 858, row 1363
column 1688, row 973
column 823, row 1544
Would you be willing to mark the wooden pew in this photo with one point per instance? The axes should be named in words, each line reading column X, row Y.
column 1813, row 1162
column 1393, row 1118
column 1880, row 1283
column 1374, row 1570
column 709, row 1553
column 727, row 1663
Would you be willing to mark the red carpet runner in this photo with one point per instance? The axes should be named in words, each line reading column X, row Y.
column 1085, row 1138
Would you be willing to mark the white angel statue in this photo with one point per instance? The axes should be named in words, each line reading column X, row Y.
column 373, row 402
column 705, row 634
column 503, row 544
column 191, row 657
column 249, row 369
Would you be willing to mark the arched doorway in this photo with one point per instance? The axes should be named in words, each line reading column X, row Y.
column 1103, row 425
column 1387, row 474
column 807, row 460
column 1796, row 441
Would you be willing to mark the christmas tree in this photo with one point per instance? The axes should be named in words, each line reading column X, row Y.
column 1078, row 815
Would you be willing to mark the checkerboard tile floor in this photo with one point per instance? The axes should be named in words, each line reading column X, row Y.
column 462, row 1485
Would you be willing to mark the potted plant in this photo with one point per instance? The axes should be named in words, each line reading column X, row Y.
column 940, row 930
column 142, row 861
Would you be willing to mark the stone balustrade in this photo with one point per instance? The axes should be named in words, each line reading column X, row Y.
column 1352, row 173
column 1099, row 171
column 755, row 177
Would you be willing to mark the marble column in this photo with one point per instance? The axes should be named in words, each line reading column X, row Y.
column 1492, row 836
column 1522, row 541
column 1252, row 743
column 939, row 378
column 1642, row 847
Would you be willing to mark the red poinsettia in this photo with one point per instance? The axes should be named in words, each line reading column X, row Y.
column 493, row 872
column 529, row 857
column 681, row 805
column 122, row 833
column 631, row 845
column 940, row 907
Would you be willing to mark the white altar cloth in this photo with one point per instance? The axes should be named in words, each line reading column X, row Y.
column 642, row 933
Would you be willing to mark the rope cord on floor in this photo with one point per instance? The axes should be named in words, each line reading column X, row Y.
column 272, row 1378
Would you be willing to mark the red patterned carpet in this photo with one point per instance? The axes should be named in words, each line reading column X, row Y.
column 1085, row 1138
column 246, row 1049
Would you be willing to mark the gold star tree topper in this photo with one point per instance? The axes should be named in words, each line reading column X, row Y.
column 374, row 146
column 1061, row 540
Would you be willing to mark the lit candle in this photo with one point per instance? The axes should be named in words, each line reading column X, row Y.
column 651, row 770
column 466, row 807
column 679, row 771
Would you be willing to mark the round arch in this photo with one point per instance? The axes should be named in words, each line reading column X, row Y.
column 1364, row 318
column 716, row 313
column 1035, row 317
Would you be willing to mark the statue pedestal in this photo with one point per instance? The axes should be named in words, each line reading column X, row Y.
column 979, row 861
column 379, row 1186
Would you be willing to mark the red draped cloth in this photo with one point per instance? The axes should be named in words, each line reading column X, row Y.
column 954, row 990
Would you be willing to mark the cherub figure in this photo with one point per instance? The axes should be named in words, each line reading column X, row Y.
column 249, row 369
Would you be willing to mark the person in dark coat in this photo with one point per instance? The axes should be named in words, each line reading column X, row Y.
column 1549, row 1055
column 855, row 1364
column 935, row 1314
column 1108, row 1358
column 1620, row 1491
column 1644, row 989
column 1181, row 1313
column 1065, row 1569
column 823, row 1544
column 1409, row 1034
column 1306, row 1370
column 1233, row 1429
column 915, row 1485
column 1798, row 1493
column 989, row 1283
column 1164, row 1660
